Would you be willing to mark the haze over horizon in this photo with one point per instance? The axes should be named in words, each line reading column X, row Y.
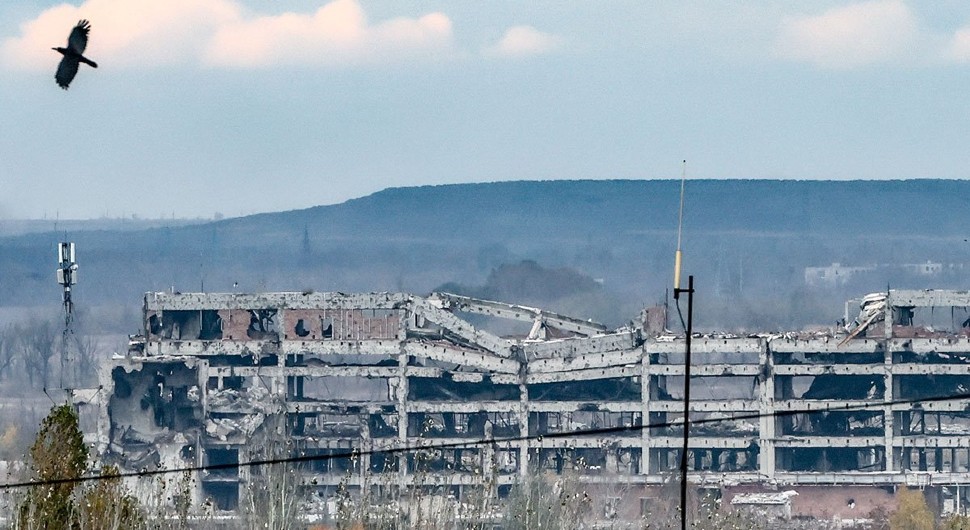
column 239, row 107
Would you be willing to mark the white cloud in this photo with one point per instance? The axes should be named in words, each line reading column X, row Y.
column 878, row 31
column 958, row 49
column 221, row 33
column 524, row 41
column 338, row 33
column 124, row 33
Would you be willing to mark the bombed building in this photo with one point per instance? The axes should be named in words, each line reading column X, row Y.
column 873, row 404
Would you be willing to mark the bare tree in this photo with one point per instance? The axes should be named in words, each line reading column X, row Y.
column 6, row 352
column 36, row 343
column 546, row 501
column 275, row 494
column 88, row 347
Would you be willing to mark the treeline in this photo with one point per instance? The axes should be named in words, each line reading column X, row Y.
column 40, row 351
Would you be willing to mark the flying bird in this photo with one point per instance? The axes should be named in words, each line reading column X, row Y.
column 76, row 43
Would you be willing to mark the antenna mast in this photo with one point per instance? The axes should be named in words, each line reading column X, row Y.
column 688, row 330
column 67, row 278
column 680, row 225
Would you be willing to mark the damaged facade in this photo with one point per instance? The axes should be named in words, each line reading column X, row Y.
column 382, row 371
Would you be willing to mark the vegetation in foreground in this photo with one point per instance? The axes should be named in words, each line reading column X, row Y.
column 58, row 459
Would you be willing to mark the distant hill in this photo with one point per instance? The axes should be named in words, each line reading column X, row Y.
column 17, row 227
column 747, row 242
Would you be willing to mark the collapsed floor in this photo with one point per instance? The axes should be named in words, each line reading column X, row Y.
column 332, row 372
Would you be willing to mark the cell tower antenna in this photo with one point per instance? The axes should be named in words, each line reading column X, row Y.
column 67, row 275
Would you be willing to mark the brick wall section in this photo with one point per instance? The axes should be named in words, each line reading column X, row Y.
column 348, row 324
column 235, row 322
column 311, row 323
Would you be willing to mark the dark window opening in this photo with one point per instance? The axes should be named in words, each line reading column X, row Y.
column 227, row 457
column 225, row 495
column 232, row 382
column 211, row 325
column 262, row 325
column 154, row 324
column 300, row 329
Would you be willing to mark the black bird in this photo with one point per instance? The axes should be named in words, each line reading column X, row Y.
column 76, row 42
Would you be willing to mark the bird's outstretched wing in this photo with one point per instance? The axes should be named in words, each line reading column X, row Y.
column 78, row 40
column 66, row 71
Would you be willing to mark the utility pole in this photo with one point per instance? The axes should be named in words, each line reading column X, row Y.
column 684, row 450
column 688, row 331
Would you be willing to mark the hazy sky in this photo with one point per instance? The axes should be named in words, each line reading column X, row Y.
column 242, row 106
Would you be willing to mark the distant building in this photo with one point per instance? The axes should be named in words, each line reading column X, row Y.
column 924, row 269
column 837, row 274
column 833, row 275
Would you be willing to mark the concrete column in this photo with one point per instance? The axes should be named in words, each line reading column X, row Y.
column 195, row 478
column 888, row 319
column 245, row 482
column 766, row 409
column 644, row 410
column 887, row 412
column 612, row 464
column 489, row 465
column 523, row 417
column 366, row 444
column 401, row 399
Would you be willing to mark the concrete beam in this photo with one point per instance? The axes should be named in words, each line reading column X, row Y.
column 932, row 442
column 829, row 369
column 448, row 354
column 334, row 407
column 467, row 304
column 586, row 361
column 322, row 371
column 697, row 442
column 827, row 404
column 929, row 298
column 727, row 405
column 566, row 348
column 572, row 406
column 910, row 478
column 236, row 348
column 464, row 407
column 388, row 348
column 706, row 370
column 828, row 441
column 586, row 442
column 506, row 379
column 828, row 345
column 461, row 328
column 210, row 348
column 701, row 346
column 956, row 405
column 953, row 345
column 161, row 301
column 930, row 369
column 582, row 375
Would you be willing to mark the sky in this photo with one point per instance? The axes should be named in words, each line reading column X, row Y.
column 230, row 107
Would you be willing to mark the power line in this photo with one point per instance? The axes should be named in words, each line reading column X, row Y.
column 485, row 441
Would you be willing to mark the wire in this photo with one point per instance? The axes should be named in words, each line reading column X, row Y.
column 481, row 442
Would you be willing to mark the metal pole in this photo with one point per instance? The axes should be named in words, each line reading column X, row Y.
column 683, row 453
